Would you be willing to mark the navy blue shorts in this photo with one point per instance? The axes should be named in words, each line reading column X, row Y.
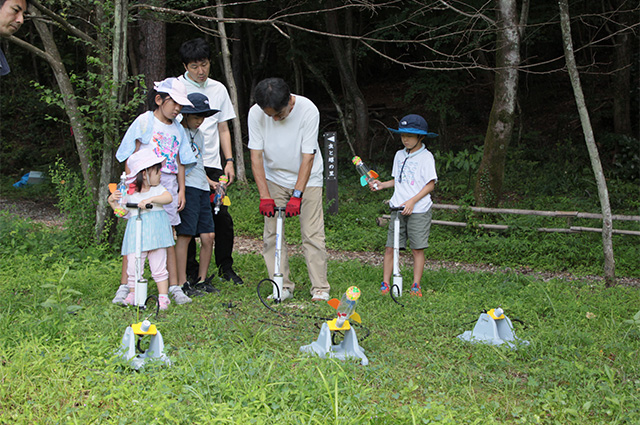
column 196, row 217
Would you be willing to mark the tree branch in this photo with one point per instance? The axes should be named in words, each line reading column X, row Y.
column 65, row 24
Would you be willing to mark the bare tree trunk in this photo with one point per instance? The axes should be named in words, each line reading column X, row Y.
column 355, row 101
column 241, row 173
column 343, row 122
column 52, row 56
column 237, row 57
column 119, row 77
column 152, row 46
column 621, row 78
column 490, row 177
column 603, row 193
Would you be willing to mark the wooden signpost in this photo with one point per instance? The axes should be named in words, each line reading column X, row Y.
column 331, row 170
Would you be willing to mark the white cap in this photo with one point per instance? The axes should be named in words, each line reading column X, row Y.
column 174, row 88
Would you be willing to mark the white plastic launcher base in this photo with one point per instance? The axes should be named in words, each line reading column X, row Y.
column 494, row 330
column 155, row 352
column 349, row 346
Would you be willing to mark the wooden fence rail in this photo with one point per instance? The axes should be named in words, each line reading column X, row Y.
column 569, row 215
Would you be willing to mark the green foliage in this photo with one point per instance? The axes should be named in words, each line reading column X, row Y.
column 102, row 117
column 29, row 143
column 74, row 201
column 435, row 92
column 623, row 154
column 236, row 362
column 452, row 166
column 60, row 298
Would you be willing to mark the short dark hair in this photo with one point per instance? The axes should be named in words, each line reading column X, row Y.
column 26, row 2
column 272, row 93
column 194, row 50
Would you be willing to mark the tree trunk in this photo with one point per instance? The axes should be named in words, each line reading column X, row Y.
column 607, row 226
column 318, row 74
column 356, row 104
column 237, row 61
column 52, row 56
column 118, row 77
column 621, row 78
column 152, row 39
column 490, row 177
column 241, row 173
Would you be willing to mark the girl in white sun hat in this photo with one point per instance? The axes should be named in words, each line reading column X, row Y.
column 157, row 236
column 158, row 130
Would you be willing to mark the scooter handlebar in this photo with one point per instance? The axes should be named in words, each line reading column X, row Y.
column 133, row 205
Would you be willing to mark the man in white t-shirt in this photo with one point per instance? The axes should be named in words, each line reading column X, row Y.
column 195, row 58
column 287, row 164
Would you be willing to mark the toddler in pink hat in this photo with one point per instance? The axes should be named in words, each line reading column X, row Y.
column 157, row 235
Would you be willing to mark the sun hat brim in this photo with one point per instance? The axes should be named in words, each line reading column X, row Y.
column 188, row 110
column 138, row 166
column 175, row 89
column 413, row 131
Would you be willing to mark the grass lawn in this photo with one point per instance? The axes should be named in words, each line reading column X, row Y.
column 235, row 362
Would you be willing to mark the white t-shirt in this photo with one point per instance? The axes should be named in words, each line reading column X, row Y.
column 218, row 99
column 411, row 172
column 283, row 142
column 165, row 142
column 136, row 197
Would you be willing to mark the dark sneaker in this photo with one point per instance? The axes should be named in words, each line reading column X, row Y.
column 191, row 290
column 206, row 286
column 231, row 275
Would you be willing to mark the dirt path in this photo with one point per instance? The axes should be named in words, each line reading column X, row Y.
column 44, row 211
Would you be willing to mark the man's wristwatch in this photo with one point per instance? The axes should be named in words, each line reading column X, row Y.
column 231, row 160
column 297, row 193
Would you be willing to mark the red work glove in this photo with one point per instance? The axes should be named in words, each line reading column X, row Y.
column 293, row 207
column 267, row 207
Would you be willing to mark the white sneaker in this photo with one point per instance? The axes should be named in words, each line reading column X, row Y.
column 286, row 294
column 178, row 295
column 121, row 294
column 320, row 296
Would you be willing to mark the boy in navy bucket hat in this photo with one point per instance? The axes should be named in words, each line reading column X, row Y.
column 196, row 218
column 414, row 178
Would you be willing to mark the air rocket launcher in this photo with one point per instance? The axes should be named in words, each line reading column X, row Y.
column 366, row 173
column 346, row 310
column 219, row 197
column 349, row 347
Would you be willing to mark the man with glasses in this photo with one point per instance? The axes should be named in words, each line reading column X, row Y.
column 288, row 170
